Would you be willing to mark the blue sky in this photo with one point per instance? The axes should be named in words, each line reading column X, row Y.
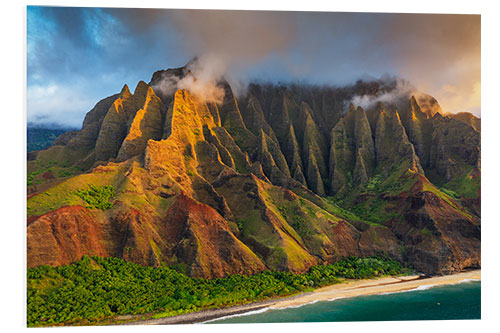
column 77, row 56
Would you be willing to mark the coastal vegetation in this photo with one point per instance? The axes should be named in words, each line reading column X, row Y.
column 95, row 289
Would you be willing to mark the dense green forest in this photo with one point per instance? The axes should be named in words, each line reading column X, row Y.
column 42, row 138
column 94, row 289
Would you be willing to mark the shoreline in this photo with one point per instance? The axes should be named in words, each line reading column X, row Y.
column 352, row 288
column 203, row 316
column 374, row 287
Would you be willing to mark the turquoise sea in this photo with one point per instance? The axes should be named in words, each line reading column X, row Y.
column 458, row 301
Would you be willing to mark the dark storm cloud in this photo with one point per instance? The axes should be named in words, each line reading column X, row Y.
column 76, row 41
column 56, row 36
column 100, row 49
column 77, row 56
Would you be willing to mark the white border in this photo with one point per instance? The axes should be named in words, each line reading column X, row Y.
column 13, row 138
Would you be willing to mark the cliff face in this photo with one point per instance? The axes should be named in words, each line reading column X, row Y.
column 256, row 182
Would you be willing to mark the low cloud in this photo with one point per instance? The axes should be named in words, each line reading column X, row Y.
column 394, row 91
column 461, row 98
column 56, row 105
column 226, row 43
column 201, row 79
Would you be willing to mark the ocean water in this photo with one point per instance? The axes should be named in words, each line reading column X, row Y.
column 458, row 301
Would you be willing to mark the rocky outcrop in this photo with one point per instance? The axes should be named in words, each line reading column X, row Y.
column 130, row 122
column 271, row 158
column 278, row 116
column 147, row 125
column 467, row 118
column 92, row 123
column 246, row 197
column 232, row 120
column 415, row 122
column 314, row 149
column 455, row 148
column 65, row 138
column 352, row 152
column 112, row 133
column 63, row 236
column 255, row 119
column 32, row 155
column 190, row 232
column 205, row 242
column 392, row 147
column 380, row 240
column 340, row 159
column 292, row 150
column 440, row 237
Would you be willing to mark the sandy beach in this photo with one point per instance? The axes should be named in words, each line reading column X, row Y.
column 350, row 288
column 378, row 286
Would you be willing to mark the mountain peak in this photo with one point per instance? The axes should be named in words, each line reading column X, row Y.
column 141, row 88
column 125, row 92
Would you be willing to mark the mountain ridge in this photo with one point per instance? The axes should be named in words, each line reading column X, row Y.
column 288, row 177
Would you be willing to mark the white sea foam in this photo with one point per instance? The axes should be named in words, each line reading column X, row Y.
column 428, row 286
column 335, row 298
column 308, row 303
column 469, row 280
column 237, row 315
column 425, row 287
column 422, row 287
column 300, row 305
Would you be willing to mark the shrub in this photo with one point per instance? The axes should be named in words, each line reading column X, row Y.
column 373, row 185
column 97, row 197
column 64, row 173
column 450, row 193
column 31, row 176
